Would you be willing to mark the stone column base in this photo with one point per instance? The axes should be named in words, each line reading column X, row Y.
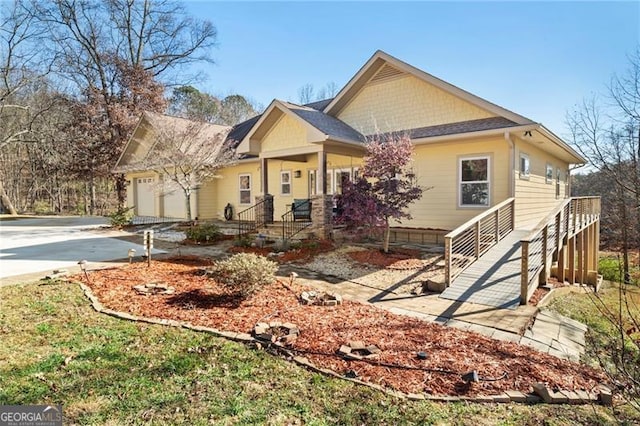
column 322, row 216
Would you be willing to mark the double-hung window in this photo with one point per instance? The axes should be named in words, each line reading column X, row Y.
column 245, row 189
column 285, row 182
column 474, row 185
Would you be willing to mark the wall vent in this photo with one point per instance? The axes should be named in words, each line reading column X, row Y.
column 386, row 72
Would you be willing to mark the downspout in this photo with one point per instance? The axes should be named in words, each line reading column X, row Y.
column 512, row 162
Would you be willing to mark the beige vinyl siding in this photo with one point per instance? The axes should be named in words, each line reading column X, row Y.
column 405, row 102
column 286, row 133
column 535, row 198
column 437, row 166
column 215, row 194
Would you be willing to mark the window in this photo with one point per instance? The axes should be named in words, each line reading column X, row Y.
column 474, row 182
column 341, row 177
column 285, row 182
column 548, row 176
column 329, row 182
column 558, row 179
column 525, row 166
column 245, row 189
column 313, row 185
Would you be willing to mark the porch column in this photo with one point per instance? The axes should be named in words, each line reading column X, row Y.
column 322, row 173
column 264, row 175
column 322, row 204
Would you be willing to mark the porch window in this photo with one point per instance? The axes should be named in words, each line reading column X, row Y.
column 341, row 177
column 548, row 177
column 285, row 182
column 245, row 189
column 313, row 185
column 525, row 166
column 474, row 182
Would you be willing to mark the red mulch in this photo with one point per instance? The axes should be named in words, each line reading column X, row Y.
column 397, row 259
column 200, row 301
column 305, row 253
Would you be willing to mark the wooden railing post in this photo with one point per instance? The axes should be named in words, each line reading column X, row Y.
column 447, row 260
column 524, row 273
column 497, row 225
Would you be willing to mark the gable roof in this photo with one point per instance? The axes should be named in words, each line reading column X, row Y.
column 376, row 63
column 330, row 126
column 205, row 133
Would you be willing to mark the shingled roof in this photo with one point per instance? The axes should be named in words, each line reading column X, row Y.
column 330, row 126
column 469, row 126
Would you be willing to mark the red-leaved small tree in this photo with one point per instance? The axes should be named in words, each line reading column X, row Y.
column 386, row 187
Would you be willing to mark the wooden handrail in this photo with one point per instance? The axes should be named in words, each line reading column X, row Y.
column 478, row 218
column 568, row 218
column 547, row 219
column 465, row 244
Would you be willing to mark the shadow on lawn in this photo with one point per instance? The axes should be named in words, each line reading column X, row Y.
column 199, row 299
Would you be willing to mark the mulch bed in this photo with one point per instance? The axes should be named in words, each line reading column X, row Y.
column 200, row 301
column 397, row 259
column 306, row 252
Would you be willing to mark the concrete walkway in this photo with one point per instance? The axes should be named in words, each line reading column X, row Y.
column 494, row 279
column 544, row 331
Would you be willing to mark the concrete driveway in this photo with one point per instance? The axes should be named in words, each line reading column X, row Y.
column 31, row 247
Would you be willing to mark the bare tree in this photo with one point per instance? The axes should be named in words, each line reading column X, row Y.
column 608, row 134
column 95, row 44
column 186, row 154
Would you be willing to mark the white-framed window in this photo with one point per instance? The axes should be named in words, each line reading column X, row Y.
column 558, row 179
column 548, row 174
column 329, row 181
column 285, row 182
column 313, row 183
column 474, row 185
column 341, row 176
column 525, row 166
column 245, row 188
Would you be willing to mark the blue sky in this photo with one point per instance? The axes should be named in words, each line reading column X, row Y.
column 538, row 59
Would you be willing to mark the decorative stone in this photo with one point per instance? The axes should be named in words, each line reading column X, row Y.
column 436, row 286
column 606, row 397
column 276, row 332
column 154, row 288
column 320, row 298
column 516, row 396
column 357, row 350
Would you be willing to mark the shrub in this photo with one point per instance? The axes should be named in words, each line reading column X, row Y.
column 244, row 273
column 204, row 233
column 121, row 217
column 243, row 241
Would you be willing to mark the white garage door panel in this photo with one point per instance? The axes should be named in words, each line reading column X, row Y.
column 145, row 197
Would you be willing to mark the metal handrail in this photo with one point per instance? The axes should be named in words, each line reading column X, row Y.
column 249, row 221
column 465, row 244
column 290, row 226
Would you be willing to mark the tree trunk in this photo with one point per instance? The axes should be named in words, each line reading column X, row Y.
column 92, row 195
column 6, row 201
column 121, row 190
column 626, row 278
column 187, row 197
column 387, row 235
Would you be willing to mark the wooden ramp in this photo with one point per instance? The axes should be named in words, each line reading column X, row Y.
column 494, row 279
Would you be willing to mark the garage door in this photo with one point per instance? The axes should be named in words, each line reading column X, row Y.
column 175, row 205
column 145, row 197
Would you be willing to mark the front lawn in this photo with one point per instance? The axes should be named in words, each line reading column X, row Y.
column 56, row 349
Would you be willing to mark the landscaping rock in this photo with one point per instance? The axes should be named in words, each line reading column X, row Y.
column 436, row 286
